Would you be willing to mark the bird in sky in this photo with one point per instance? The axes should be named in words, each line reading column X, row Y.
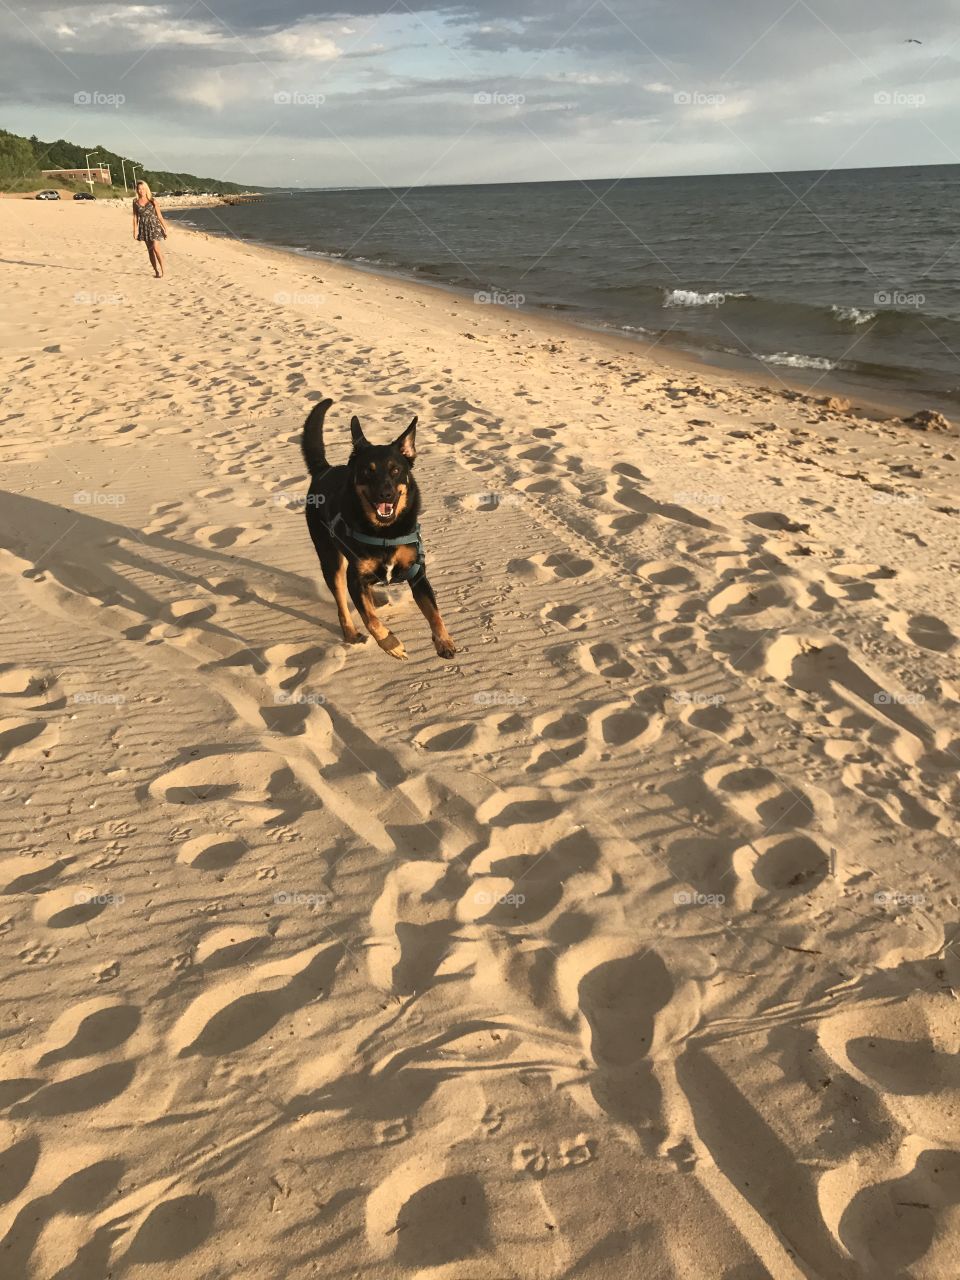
column 910, row 40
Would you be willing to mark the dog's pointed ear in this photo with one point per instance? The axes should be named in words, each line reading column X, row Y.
column 406, row 442
column 360, row 441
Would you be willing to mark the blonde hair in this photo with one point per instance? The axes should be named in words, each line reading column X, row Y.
column 146, row 187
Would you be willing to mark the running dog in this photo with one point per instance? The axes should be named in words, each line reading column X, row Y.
column 363, row 519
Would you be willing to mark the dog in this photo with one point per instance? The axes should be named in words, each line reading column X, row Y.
column 364, row 521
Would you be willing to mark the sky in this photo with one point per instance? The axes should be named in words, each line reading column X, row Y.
column 306, row 93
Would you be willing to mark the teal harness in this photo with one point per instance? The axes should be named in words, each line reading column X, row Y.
column 409, row 574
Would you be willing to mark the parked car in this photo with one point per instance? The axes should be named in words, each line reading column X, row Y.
column 47, row 195
column 84, row 195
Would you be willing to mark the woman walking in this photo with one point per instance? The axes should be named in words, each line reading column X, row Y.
column 149, row 226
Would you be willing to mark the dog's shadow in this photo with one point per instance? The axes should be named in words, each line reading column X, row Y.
column 106, row 561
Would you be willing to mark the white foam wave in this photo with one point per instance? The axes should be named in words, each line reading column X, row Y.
column 691, row 298
column 853, row 315
column 799, row 362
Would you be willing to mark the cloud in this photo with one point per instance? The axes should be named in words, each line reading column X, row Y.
column 600, row 84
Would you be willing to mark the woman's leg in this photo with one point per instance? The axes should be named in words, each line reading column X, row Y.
column 152, row 257
column 157, row 258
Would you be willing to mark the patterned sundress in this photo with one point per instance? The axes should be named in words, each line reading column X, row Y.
column 148, row 221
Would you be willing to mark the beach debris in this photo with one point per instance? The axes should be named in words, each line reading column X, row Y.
column 928, row 420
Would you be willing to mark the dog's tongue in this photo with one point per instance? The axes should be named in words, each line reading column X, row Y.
column 385, row 510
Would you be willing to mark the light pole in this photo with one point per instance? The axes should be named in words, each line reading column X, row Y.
column 133, row 175
column 89, row 178
column 123, row 170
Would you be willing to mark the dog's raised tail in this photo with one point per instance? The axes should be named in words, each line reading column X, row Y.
column 311, row 442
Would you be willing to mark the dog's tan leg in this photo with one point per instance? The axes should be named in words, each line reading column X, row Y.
column 337, row 582
column 427, row 602
column 360, row 594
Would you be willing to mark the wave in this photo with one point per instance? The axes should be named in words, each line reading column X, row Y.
column 691, row 298
column 852, row 315
column 792, row 361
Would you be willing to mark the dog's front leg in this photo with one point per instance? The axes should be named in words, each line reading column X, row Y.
column 427, row 602
column 363, row 600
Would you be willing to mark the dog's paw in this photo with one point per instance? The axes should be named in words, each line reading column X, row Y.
column 394, row 646
column 445, row 648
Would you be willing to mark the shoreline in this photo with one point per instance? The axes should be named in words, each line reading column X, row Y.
column 866, row 398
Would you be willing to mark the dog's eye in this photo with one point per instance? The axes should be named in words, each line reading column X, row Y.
column 394, row 471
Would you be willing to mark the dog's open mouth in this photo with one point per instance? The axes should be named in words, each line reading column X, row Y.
column 385, row 510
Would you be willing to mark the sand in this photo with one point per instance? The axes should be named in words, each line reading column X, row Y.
column 621, row 945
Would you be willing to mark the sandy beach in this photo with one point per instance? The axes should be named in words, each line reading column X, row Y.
column 622, row 945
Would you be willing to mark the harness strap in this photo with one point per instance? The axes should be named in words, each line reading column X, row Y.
column 408, row 540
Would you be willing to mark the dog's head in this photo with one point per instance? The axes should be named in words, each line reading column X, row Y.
column 381, row 473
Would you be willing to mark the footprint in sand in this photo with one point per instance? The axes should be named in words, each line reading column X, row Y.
column 25, row 874
column 449, row 736
column 716, row 719
column 238, row 1012
column 92, row 1027
column 255, row 778
column 171, row 1229
column 67, row 908
column 211, row 852
column 624, row 724
column 167, row 517
column 234, row 535
column 27, row 688
column 571, row 617
column 548, row 567
column 777, row 869
column 235, row 944
column 929, row 632
column 619, row 1001
column 745, row 598
column 189, row 612
column 423, row 1217
column 24, row 739
column 906, row 1226
column 754, row 793
column 665, row 574
column 82, row 1092
column 605, row 660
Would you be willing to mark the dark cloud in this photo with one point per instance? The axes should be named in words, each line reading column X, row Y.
column 581, row 83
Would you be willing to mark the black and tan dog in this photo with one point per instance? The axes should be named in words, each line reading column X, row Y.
column 363, row 519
